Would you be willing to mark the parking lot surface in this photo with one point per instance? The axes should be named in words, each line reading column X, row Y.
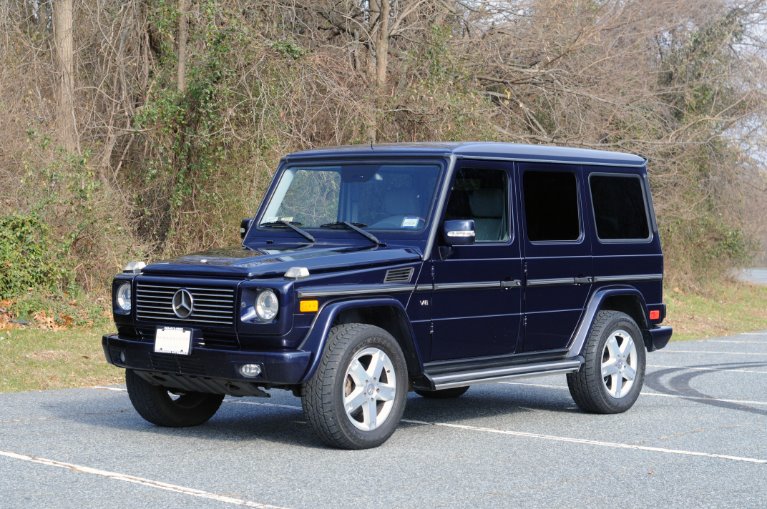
column 697, row 436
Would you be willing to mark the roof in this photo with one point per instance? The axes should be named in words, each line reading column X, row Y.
column 513, row 151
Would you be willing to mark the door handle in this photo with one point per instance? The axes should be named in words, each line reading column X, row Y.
column 514, row 283
column 583, row 280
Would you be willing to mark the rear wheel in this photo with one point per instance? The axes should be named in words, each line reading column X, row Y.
column 356, row 398
column 612, row 374
column 167, row 407
column 451, row 393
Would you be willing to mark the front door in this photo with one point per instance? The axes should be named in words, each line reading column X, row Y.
column 476, row 298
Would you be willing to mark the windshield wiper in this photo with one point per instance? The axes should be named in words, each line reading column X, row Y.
column 356, row 227
column 293, row 226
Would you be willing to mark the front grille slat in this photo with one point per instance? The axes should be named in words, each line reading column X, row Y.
column 212, row 305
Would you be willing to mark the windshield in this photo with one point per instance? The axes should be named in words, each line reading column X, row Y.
column 368, row 196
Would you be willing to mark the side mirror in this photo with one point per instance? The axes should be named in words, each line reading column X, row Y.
column 245, row 226
column 459, row 232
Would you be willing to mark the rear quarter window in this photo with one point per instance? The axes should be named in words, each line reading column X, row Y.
column 620, row 207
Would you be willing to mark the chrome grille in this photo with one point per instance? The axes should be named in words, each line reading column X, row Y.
column 212, row 306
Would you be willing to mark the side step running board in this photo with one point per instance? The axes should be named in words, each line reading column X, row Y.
column 496, row 374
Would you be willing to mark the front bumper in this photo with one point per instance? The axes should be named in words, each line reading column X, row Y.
column 207, row 370
column 660, row 337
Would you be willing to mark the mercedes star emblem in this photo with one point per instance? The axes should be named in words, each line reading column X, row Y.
column 182, row 303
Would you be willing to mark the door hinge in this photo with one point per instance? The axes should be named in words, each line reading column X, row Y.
column 431, row 328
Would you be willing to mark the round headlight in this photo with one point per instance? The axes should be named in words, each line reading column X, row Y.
column 267, row 305
column 123, row 297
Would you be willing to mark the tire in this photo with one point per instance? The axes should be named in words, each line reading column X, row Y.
column 158, row 406
column 357, row 395
column 612, row 374
column 451, row 393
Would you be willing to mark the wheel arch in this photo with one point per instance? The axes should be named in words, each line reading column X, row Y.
column 386, row 313
column 625, row 299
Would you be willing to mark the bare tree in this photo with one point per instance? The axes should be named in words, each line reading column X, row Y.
column 64, row 47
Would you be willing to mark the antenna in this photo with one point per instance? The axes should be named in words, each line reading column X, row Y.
column 371, row 143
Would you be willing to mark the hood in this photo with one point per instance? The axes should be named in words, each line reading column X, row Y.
column 253, row 263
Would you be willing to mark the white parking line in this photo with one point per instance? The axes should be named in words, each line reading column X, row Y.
column 658, row 394
column 750, row 354
column 736, row 342
column 549, row 437
column 613, row 445
column 138, row 480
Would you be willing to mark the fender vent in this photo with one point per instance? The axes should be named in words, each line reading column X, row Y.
column 402, row 275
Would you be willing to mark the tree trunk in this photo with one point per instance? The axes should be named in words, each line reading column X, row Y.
column 62, row 32
column 182, row 38
column 382, row 47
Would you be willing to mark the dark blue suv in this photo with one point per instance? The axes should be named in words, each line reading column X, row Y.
column 372, row 271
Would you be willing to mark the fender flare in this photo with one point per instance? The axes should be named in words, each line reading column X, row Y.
column 595, row 305
column 317, row 337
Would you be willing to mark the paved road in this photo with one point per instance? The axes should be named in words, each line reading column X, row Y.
column 696, row 437
column 756, row 276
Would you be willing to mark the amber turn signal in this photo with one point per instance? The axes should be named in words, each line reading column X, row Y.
column 309, row 306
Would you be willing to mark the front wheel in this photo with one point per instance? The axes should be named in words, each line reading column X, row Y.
column 612, row 374
column 166, row 407
column 356, row 398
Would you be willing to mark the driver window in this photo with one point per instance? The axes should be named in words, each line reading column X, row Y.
column 481, row 195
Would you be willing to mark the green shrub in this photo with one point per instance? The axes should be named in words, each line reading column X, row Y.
column 28, row 259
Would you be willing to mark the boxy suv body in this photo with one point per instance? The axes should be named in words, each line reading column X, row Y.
column 371, row 271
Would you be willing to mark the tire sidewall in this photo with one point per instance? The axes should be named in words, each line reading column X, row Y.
column 620, row 321
column 375, row 337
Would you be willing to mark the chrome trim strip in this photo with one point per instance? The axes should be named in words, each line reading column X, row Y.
column 448, row 380
column 551, row 282
column 332, row 291
column 440, row 207
column 616, row 164
column 629, row 277
column 470, row 285
column 151, row 286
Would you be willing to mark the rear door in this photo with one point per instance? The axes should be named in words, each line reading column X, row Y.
column 557, row 253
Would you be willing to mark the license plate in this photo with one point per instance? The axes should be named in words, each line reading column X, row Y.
column 174, row 340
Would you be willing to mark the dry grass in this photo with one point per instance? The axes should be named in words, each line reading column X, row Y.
column 37, row 359
column 728, row 308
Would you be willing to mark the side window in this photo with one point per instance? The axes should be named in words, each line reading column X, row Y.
column 551, row 206
column 481, row 195
column 620, row 209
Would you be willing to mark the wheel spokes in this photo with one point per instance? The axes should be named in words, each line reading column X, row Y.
column 386, row 392
column 617, row 382
column 609, row 368
column 358, row 373
column 377, row 364
column 613, row 347
column 370, row 388
column 355, row 400
column 627, row 347
column 370, row 413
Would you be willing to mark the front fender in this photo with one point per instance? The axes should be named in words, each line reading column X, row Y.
column 317, row 337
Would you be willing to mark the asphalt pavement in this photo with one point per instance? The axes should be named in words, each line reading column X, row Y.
column 696, row 437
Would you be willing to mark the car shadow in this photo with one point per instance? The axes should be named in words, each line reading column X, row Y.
column 252, row 420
